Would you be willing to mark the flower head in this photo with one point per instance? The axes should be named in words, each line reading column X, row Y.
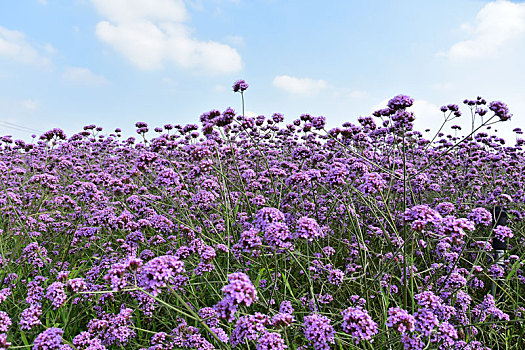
column 240, row 291
column 400, row 320
column 240, row 85
column 358, row 323
column 400, row 102
column 500, row 109
column 49, row 339
column 319, row 331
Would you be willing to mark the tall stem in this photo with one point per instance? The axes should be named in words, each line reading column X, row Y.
column 242, row 97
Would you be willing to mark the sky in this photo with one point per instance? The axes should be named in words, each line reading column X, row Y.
column 71, row 63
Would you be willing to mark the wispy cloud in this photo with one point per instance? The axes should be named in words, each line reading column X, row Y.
column 153, row 33
column 29, row 104
column 302, row 86
column 497, row 24
column 83, row 76
column 13, row 45
column 345, row 93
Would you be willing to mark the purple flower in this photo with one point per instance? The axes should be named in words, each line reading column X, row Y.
column 358, row 323
column 248, row 328
column 336, row 276
column 270, row 341
column 373, row 182
column 318, row 331
column 319, row 122
column 209, row 315
column 445, row 208
column 423, row 213
column 500, row 109
column 4, row 344
column 5, row 321
column 160, row 272
column 266, row 216
column 480, row 216
column 116, row 276
column 488, row 308
column 49, row 339
column 502, row 232
column 446, row 335
column 4, row 293
column 240, row 85
column 240, row 290
column 88, row 341
column 277, row 235
column 426, row 321
column 282, row 320
column 29, row 318
column 226, row 309
column 77, row 285
column 55, row 292
column 308, row 228
column 428, row 300
column 286, row 307
column 400, row 102
column 400, row 320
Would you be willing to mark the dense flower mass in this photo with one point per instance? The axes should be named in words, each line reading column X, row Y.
column 359, row 324
column 161, row 272
column 319, row 331
column 255, row 232
column 240, row 290
column 50, row 339
column 400, row 320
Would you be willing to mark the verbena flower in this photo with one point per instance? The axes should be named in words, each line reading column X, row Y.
column 358, row 323
column 309, row 229
column 240, row 290
column 318, row 331
column 400, row 320
column 240, row 86
column 56, row 293
column 30, row 317
column 50, row 339
column 270, row 341
column 5, row 321
column 503, row 232
column 500, row 109
column 160, row 272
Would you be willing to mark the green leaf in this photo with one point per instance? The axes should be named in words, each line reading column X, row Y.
column 24, row 339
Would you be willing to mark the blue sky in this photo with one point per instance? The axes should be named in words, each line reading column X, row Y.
column 69, row 63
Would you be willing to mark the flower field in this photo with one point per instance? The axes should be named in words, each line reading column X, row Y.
column 257, row 233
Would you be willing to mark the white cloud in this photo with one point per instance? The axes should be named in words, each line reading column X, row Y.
column 235, row 40
column 29, row 104
column 498, row 23
column 43, row 2
column 83, row 76
column 251, row 114
column 50, row 49
column 124, row 11
column 151, row 33
column 443, row 86
column 302, row 86
column 428, row 116
column 358, row 94
column 13, row 45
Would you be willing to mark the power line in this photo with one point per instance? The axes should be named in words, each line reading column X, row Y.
column 13, row 125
